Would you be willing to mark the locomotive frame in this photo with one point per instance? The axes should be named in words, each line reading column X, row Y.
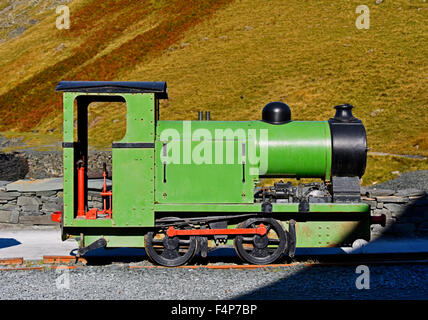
column 178, row 210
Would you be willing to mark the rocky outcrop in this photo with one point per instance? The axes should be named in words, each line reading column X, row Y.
column 13, row 166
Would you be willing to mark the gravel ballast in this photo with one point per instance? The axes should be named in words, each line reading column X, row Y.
column 408, row 180
column 118, row 281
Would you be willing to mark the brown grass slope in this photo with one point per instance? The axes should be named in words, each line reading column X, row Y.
column 232, row 57
column 94, row 26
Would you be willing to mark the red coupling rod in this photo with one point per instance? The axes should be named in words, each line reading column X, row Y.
column 172, row 232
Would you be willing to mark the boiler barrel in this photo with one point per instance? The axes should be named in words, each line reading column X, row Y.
column 295, row 149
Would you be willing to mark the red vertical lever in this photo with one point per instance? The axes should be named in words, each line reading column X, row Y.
column 104, row 185
column 80, row 190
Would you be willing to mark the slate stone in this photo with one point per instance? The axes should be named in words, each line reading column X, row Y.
column 29, row 201
column 371, row 203
column 9, row 195
column 3, row 183
column 51, row 207
column 364, row 191
column 392, row 199
column 95, row 204
column 410, row 193
column 30, row 211
column 50, row 199
column 48, row 193
column 94, row 196
column 10, row 207
column 28, row 194
column 37, row 220
column 394, row 207
column 9, row 216
column 97, row 184
column 380, row 192
column 30, row 208
column 35, row 185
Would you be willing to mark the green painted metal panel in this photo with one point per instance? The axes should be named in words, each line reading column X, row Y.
column 91, row 223
column 339, row 207
column 68, row 116
column 201, row 207
column 133, row 168
column 331, row 233
column 118, row 241
column 256, row 207
column 133, row 187
column 140, row 119
column 68, row 157
column 68, row 185
column 202, row 182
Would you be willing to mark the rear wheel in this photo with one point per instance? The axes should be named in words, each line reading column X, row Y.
column 258, row 249
column 169, row 252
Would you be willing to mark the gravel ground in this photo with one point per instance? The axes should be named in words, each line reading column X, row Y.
column 118, row 281
column 414, row 179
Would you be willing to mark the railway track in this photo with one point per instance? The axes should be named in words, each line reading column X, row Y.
column 72, row 262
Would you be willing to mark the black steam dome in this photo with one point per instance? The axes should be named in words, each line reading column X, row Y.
column 276, row 113
column 344, row 114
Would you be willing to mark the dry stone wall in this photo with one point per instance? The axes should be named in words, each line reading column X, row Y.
column 33, row 202
column 406, row 211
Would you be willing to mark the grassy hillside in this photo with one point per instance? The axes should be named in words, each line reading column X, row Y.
column 231, row 57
